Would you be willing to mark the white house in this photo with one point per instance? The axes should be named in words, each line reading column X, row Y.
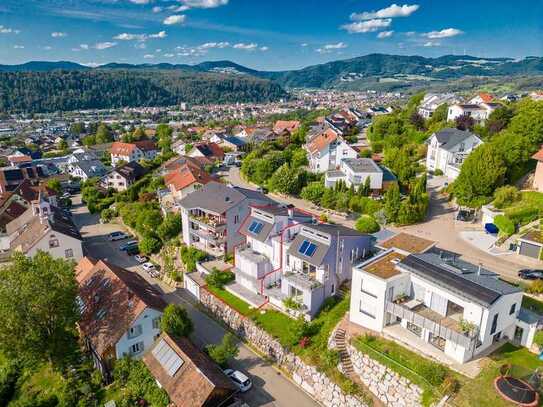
column 136, row 151
column 355, row 171
column 447, row 150
column 432, row 101
column 44, row 227
column 459, row 308
column 120, row 312
column 326, row 150
column 481, row 97
column 479, row 112
column 120, row 178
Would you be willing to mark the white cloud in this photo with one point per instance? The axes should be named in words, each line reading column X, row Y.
column 140, row 45
column 432, row 44
column 331, row 47
column 7, row 30
column 58, row 34
column 148, row 56
column 385, row 34
column 305, row 44
column 90, row 64
column 445, row 33
column 19, row 46
column 208, row 45
column 140, row 1
column 169, row 55
column 246, row 47
column 84, row 46
column 161, row 34
column 367, row 26
column 205, row 3
column 104, row 45
column 130, row 37
column 264, row 49
column 178, row 9
column 175, row 19
column 47, row 48
column 157, row 9
column 389, row 12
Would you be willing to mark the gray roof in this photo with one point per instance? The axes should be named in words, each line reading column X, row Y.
column 235, row 141
column 214, row 197
column 465, row 279
column 254, row 195
column 92, row 168
column 528, row 316
column 365, row 165
column 448, row 138
column 387, row 174
column 335, row 230
column 317, row 257
column 260, row 236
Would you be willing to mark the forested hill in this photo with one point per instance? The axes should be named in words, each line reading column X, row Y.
column 107, row 88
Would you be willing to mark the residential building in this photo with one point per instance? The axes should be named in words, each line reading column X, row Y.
column 432, row 101
column 481, row 97
column 187, row 374
column 458, row 308
column 11, row 177
column 479, row 112
column 211, row 151
column 447, row 150
column 44, row 227
column 355, row 171
column 212, row 216
column 233, row 143
column 318, row 261
column 120, row 312
column 326, row 150
column 282, row 126
column 185, row 180
column 136, row 151
column 268, row 232
column 538, row 176
column 120, row 178
column 530, row 244
column 85, row 165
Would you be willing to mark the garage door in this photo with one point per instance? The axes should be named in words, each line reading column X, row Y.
column 192, row 287
column 530, row 250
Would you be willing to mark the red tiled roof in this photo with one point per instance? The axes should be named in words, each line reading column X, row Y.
column 322, row 140
column 486, row 97
column 185, row 176
column 119, row 148
column 113, row 298
column 282, row 125
column 145, row 145
column 19, row 158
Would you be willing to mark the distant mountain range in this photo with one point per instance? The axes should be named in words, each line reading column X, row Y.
column 373, row 68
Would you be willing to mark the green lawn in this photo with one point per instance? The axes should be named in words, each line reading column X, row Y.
column 480, row 391
column 238, row 304
column 277, row 324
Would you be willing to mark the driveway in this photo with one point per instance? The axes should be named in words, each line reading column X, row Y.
column 270, row 387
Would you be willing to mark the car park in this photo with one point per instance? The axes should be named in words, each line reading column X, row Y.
column 240, row 379
column 140, row 258
column 113, row 236
column 531, row 274
column 126, row 245
column 150, row 268
column 131, row 250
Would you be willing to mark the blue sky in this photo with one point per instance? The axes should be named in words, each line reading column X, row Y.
column 264, row 34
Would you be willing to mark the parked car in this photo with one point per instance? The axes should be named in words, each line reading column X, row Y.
column 126, row 245
column 239, row 379
column 531, row 274
column 113, row 236
column 131, row 250
column 150, row 268
column 140, row 258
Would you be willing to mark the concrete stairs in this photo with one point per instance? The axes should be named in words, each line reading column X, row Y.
column 344, row 356
column 344, row 289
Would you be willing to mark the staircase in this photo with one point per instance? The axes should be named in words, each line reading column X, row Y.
column 344, row 357
column 344, row 289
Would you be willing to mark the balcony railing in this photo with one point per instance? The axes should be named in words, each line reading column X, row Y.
column 301, row 280
column 208, row 236
column 465, row 339
column 208, row 221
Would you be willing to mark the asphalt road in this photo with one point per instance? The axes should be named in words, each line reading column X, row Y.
column 270, row 387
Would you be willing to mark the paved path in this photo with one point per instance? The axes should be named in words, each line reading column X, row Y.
column 439, row 227
column 270, row 387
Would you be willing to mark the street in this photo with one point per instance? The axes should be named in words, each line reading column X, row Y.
column 270, row 387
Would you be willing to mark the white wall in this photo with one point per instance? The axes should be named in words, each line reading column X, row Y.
column 148, row 335
column 65, row 243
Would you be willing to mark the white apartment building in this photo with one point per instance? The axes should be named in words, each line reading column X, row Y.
column 458, row 308
column 355, row 171
column 326, row 151
column 447, row 150
column 479, row 112
column 432, row 101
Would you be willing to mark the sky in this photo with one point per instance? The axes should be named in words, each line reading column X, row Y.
column 264, row 34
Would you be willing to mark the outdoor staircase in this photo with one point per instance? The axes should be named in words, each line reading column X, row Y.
column 344, row 356
column 344, row 289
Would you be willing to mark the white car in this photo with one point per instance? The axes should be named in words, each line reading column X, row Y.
column 239, row 379
column 148, row 267
column 113, row 236
column 140, row 258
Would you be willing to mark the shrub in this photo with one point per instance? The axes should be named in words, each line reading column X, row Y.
column 176, row 321
column 535, row 287
column 366, row 224
column 505, row 196
column 291, row 303
column 538, row 338
column 523, row 214
column 219, row 278
column 190, row 256
column 438, row 173
column 224, row 351
column 149, row 244
column 505, row 225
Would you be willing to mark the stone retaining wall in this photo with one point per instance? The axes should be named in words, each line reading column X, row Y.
column 317, row 384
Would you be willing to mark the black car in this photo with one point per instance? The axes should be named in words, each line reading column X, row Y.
column 531, row 274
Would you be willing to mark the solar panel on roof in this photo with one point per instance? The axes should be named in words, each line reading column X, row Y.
column 167, row 357
column 307, row 248
column 310, row 250
column 303, row 247
column 255, row 227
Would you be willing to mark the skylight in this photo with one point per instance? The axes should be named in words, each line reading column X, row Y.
column 307, row 248
column 256, row 227
column 167, row 357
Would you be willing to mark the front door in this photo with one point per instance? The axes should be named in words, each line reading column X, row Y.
column 518, row 334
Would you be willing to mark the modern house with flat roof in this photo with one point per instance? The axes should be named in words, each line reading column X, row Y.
column 355, row 171
column 458, row 308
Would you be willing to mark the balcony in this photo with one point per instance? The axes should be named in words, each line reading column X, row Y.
column 209, row 236
column 302, row 280
column 416, row 313
column 215, row 222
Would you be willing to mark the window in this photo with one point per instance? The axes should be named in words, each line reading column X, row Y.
column 53, row 243
column 513, row 309
column 68, row 253
column 365, row 311
column 307, row 248
column 156, row 323
column 236, row 219
column 255, row 227
column 134, row 331
column 136, row 348
column 494, row 324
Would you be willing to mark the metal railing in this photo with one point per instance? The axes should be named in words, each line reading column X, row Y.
column 467, row 340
